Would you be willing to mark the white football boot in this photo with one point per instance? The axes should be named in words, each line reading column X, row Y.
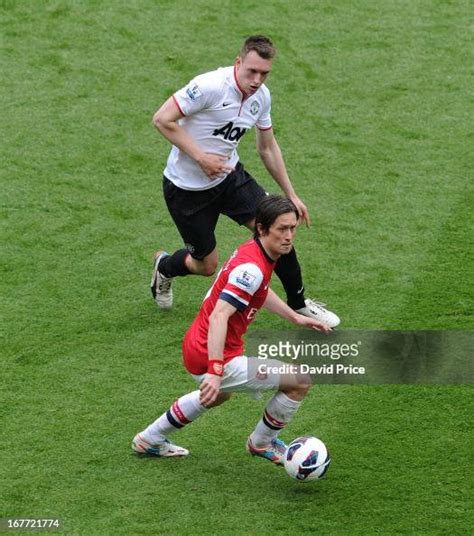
column 165, row 449
column 160, row 285
column 318, row 311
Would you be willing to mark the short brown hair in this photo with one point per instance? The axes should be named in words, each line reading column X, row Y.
column 262, row 45
column 268, row 210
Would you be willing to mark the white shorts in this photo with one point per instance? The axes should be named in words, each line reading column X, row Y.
column 248, row 375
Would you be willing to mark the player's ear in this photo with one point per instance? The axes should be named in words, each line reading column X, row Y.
column 260, row 230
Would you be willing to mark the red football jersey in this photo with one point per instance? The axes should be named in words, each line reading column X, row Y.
column 243, row 281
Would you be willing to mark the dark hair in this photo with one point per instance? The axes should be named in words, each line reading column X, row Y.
column 262, row 45
column 268, row 210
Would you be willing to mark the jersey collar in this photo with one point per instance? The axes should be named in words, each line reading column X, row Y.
column 237, row 85
column 266, row 255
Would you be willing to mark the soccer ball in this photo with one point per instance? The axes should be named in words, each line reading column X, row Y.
column 306, row 459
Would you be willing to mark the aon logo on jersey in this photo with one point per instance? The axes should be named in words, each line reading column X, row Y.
column 229, row 132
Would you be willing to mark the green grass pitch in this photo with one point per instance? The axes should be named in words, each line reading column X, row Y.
column 372, row 106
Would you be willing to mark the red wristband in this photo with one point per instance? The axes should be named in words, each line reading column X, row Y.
column 216, row 367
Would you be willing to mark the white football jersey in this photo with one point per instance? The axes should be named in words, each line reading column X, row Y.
column 216, row 114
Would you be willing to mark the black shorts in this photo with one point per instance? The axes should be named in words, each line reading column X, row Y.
column 195, row 213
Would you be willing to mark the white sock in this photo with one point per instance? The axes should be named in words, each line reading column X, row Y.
column 278, row 412
column 183, row 411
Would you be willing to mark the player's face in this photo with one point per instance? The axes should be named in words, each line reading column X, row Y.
column 279, row 239
column 251, row 72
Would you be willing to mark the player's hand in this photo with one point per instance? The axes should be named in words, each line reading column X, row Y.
column 311, row 323
column 302, row 210
column 209, row 388
column 215, row 166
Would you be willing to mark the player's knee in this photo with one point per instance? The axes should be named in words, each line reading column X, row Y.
column 221, row 398
column 209, row 267
column 209, row 270
column 298, row 391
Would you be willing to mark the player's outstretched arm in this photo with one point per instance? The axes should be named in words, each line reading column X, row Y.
column 166, row 122
column 271, row 155
column 276, row 305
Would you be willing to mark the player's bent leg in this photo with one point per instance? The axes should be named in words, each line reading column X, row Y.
column 195, row 216
column 247, row 374
column 180, row 263
column 264, row 440
column 154, row 441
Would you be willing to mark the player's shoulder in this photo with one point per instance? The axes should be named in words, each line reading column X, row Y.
column 265, row 92
column 250, row 253
column 249, row 265
column 244, row 254
column 212, row 80
column 247, row 276
column 246, row 250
